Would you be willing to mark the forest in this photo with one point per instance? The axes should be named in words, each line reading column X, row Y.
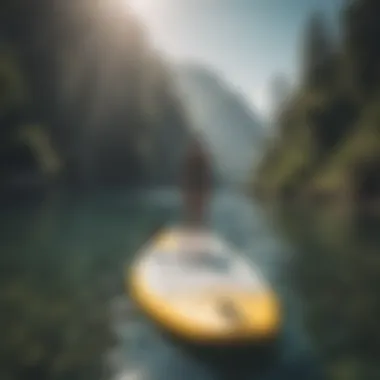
column 85, row 99
column 85, row 102
column 326, row 146
column 321, row 170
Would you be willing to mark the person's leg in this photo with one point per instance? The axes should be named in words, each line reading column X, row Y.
column 198, row 207
column 192, row 207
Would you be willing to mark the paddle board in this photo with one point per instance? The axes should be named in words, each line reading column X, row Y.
column 199, row 288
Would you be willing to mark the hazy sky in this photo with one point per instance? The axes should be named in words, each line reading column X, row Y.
column 247, row 41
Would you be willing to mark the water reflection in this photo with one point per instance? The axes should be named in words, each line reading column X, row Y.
column 71, row 252
column 243, row 224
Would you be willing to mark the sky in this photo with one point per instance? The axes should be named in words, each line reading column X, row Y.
column 246, row 41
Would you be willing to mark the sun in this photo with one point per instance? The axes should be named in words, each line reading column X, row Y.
column 141, row 6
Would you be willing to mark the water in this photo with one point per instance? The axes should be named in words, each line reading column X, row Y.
column 243, row 224
column 76, row 238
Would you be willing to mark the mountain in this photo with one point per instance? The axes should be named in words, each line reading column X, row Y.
column 222, row 116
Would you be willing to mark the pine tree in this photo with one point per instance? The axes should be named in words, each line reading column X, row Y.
column 280, row 92
column 362, row 32
column 319, row 57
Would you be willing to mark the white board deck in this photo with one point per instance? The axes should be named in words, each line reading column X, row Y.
column 199, row 261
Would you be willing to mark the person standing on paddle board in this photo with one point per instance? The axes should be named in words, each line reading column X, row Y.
column 196, row 184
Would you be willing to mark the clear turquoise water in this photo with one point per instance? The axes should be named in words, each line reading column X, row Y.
column 243, row 224
column 110, row 226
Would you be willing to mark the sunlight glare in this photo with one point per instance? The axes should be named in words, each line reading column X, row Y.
column 142, row 6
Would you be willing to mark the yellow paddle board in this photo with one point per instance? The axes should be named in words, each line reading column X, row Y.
column 196, row 286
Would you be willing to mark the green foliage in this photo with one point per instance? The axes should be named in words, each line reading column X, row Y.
column 280, row 92
column 330, row 125
column 105, row 116
column 362, row 27
column 45, row 155
column 13, row 88
column 15, row 135
column 105, row 113
column 336, row 273
column 319, row 62
column 328, row 147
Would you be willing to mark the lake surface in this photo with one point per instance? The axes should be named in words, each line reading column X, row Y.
column 110, row 226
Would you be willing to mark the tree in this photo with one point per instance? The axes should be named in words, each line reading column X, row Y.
column 280, row 91
column 319, row 66
column 362, row 29
column 97, row 87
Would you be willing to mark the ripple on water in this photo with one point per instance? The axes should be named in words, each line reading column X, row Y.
column 144, row 355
